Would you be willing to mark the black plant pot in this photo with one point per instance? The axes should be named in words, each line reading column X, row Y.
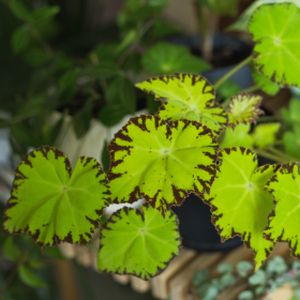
column 196, row 228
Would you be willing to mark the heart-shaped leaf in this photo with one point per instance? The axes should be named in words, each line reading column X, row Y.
column 241, row 205
column 284, row 224
column 186, row 96
column 244, row 108
column 275, row 29
column 138, row 242
column 52, row 203
column 161, row 162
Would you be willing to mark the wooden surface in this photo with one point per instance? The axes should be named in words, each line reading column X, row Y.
column 175, row 282
column 161, row 283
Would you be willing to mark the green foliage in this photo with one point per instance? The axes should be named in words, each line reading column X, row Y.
column 10, row 250
column 275, row 274
column 44, row 179
column 291, row 114
column 164, row 58
column 243, row 21
column 228, row 89
column 29, row 277
column 291, row 142
column 120, row 101
column 138, row 242
column 159, row 162
column 239, row 136
column 186, row 96
column 229, row 7
column 161, row 158
column 241, row 205
column 244, row 108
column 265, row 84
column 137, row 12
column 264, row 135
column 276, row 41
column 285, row 188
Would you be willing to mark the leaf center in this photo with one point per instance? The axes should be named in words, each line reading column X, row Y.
column 165, row 151
column 277, row 41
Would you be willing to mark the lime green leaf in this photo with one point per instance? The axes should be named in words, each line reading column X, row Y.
column 238, row 136
column 30, row 277
column 138, row 242
column 164, row 58
column 264, row 135
column 275, row 30
column 242, row 23
column 51, row 204
column 241, row 204
column 186, row 96
column 244, row 108
column 265, row 84
column 284, row 223
column 160, row 162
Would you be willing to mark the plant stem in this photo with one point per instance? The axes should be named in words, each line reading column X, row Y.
column 282, row 154
column 264, row 119
column 250, row 89
column 270, row 156
column 233, row 71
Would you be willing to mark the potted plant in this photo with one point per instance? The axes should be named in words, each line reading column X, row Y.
column 165, row 157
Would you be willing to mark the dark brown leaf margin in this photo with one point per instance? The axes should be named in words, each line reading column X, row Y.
column 256, row 111
column 282, row 83
column 179, row 195
column 117, row 215
column 19, row 177
column 195, row 78
column 283, row 169
column 208, row 200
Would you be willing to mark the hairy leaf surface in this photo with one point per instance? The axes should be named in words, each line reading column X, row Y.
column 52, row 203
column 244, row 108
column 285, row 223
column 241, row 204
column 275, row 30
column 186, row 96
column 138, row 242
column 161, row 162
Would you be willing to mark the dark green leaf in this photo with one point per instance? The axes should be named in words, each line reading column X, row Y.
column 10, row 249
column 21, row 39
column 30, row 277
column 121, row 101
column 20, row 10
